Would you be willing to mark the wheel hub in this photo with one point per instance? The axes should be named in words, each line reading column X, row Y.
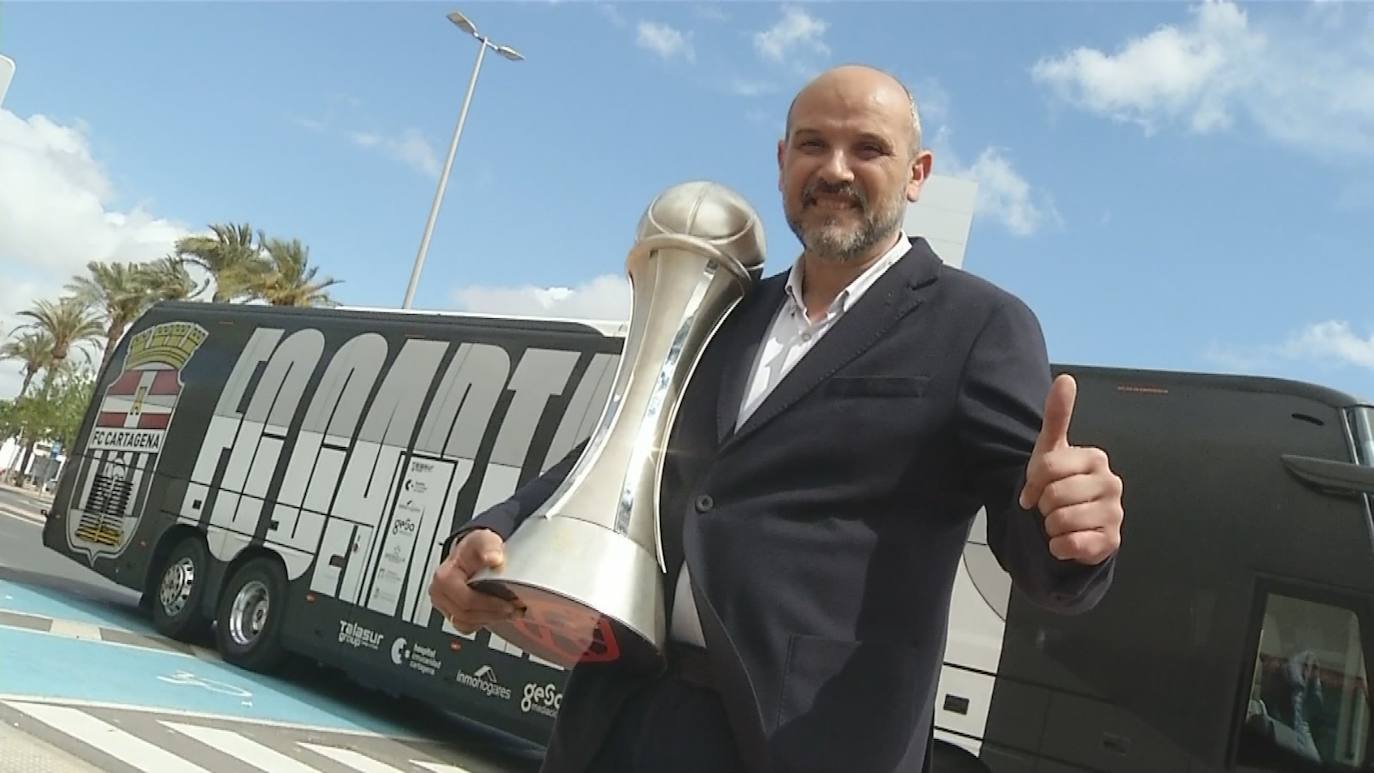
column 177, row 583
column 248, row 614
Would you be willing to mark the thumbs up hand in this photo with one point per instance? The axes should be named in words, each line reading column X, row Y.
column 1073, row 488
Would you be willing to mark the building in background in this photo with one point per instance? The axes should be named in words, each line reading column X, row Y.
column 6, row 74
column 944, row 216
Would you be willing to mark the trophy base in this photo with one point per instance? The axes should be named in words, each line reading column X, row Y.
column 613, row 612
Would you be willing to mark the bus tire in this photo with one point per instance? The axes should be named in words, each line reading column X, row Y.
column 179, row 591
column 249, row 619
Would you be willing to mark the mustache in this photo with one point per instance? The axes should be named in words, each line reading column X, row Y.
column 846, row 190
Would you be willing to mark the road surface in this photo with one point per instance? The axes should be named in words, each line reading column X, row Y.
column 87, row 686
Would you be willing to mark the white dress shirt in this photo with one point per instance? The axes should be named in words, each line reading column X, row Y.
column 789, row 338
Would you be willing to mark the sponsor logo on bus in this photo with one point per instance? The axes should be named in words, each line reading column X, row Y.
column 418, row 657
column 542, row 699
column 484, row 681
column 122, row 451
column 356, row 635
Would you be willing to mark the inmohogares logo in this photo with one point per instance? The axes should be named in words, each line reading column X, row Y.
column 484, row 681
column 122, row 451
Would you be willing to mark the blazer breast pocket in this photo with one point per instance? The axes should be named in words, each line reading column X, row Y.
column 876, row 386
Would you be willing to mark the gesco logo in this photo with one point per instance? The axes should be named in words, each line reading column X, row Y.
column 542, row 699
column 403, row 526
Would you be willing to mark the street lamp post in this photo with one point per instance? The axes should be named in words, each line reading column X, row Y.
column 484, row 43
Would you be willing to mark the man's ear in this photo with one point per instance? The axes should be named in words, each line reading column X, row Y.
column 782, row 147
column 920, row 172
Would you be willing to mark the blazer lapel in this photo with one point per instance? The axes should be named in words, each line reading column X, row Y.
column 741, row 340
column 892, row 297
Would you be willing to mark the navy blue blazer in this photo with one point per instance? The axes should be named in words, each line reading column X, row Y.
column 824, row 533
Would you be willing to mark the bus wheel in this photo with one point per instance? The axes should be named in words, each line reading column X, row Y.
column 248, row 625
column 180, row 590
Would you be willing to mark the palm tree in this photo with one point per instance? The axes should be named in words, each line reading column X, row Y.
column 70, row 322
column 122, row 291
column 230, row 257
column 168, row 280
column 290, row 279
column 33, row 350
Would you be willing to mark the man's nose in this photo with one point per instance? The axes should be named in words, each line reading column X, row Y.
column 836, row 168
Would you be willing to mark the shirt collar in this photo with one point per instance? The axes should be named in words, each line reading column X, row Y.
column 856, row 288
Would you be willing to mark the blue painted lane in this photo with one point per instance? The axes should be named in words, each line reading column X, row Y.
column 56, row 667
column 50, row 602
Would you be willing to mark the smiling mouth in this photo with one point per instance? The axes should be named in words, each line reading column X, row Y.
column 832, row 204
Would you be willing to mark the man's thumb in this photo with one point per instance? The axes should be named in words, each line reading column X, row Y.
column 1054, row 431
column 483, row 548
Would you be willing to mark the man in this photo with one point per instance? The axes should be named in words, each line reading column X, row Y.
column 840, row 433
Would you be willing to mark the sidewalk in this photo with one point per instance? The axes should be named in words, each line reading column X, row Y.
column 22, row 753
column 34, row 493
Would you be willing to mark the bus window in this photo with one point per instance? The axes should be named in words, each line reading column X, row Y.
column 1307, row 707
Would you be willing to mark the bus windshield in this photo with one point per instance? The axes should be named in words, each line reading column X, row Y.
column 1362, row 432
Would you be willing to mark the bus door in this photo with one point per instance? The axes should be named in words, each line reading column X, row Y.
column 1304, row 699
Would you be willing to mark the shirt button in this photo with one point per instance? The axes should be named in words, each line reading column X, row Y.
column 705, row 503
column 806, row 336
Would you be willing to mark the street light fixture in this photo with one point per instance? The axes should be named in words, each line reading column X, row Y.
column 466, row 25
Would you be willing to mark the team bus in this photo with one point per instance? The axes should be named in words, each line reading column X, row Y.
column 284, row 477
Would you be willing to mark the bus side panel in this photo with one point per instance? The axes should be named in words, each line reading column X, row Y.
column 351, row 445
column 1150, row 680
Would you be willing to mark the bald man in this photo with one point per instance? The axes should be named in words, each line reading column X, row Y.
column 839, row 435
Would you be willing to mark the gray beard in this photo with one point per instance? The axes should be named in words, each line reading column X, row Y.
column 830, row 245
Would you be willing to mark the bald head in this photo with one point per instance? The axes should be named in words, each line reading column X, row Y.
column 863, row 83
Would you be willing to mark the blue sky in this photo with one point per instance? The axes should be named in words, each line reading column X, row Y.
column 1168, row 185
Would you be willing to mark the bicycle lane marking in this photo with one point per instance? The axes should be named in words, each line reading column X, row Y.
column 52, row 667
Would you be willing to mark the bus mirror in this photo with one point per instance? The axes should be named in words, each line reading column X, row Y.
column 1332, row 476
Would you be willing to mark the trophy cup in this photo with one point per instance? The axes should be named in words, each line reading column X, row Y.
column 588, row 565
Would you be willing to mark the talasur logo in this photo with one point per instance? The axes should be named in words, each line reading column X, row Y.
column 484, row 681
column 542, row 699
column 359, row 635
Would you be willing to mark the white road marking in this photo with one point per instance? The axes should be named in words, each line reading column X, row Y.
column 130, row 750
column 245, row 749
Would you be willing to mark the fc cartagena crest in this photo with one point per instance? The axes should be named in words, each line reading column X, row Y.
column 122, row 451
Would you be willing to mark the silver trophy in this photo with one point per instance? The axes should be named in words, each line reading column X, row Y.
column 588, row 565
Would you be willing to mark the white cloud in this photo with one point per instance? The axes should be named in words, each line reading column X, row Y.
column 751, row 88
column 1301, row 82
column 613, row 15
column 797, row 32
column 1331, row 340
column 664, row 40
column 932, row 101
column 1332, row 343
column 409, row 147
column 56, row 215
column 711, row 13
column 606, row 297
column 1003, row 193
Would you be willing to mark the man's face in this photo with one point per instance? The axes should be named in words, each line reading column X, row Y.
column 846, row 168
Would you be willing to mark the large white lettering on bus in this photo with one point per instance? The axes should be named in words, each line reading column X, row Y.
column 367, row 488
